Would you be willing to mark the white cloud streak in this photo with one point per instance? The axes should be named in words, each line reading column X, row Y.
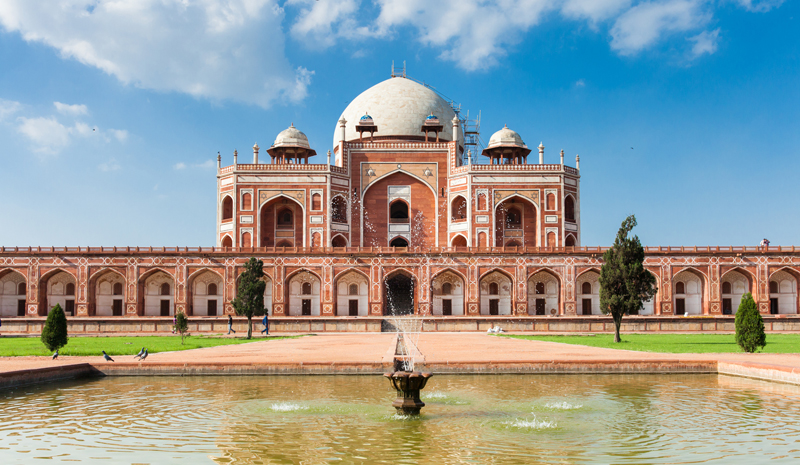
column 71, row 110
column 8, row 108
column 705, row 42
column 477, row 34
column 211, row 49
column 647, row 23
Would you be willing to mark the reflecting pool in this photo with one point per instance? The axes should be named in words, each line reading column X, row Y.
column 555, row 419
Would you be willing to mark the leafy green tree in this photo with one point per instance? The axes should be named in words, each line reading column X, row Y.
column 181, row 325
column 624, row 282
column 54, row 332
column 750, row 333
column 249, row 299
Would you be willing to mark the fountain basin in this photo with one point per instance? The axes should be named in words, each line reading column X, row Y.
column 408, row 384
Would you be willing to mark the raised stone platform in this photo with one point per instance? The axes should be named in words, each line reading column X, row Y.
column 560, row 324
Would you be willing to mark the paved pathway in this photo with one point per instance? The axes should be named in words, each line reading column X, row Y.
column 370, row 348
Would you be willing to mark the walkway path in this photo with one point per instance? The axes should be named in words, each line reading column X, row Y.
column 374, row 352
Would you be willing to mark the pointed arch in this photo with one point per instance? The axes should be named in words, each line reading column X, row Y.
column 267, row 222
column 569, row 208
column 199, row 300
column 13, row 293
column 452, row 302
column 544, row 292
column 226, row 207
column 459, row 209
column 731, row 295
column 695, row 297
column 785, row 300
column 400, row 294
column 339, row 241
column 347, row 303
column 397, row 241
column 48, row 300
column 459, row 240
column 516, row 217
column 106, row 303
column 151, row 302
column 496, row 303
column 302, row 303
column 227, row 241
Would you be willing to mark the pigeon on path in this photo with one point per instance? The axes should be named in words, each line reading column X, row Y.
column 144, row 355
column 55, row 355
column 105, row 356
column 141, row 352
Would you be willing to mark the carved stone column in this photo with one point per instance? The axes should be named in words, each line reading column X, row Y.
column 376, row 288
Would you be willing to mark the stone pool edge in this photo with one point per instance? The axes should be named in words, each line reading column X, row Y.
column 766, row 372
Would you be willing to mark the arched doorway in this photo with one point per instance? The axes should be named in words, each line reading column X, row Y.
column 399, row 294
column 515, row 220
column 57, row 287
column 107, row 293
column 496, row 295
column 733, row 286
column 543, row 292
column 352, row 299
column 688, row 293
column 304, row 292
column 399, row 242
column 281, row 222
column 447, row 291
column 12, row 294
column 205, row 298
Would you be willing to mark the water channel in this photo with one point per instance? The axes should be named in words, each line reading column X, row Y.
column 574, row 419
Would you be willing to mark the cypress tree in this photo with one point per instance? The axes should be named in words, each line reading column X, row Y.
column 181, row 325
column 624, row 282
column 249, row 299
column 750, row 333
column 54, row 332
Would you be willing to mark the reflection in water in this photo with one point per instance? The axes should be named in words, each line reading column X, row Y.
column 468, row 419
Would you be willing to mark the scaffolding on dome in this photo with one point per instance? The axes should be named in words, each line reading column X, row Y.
column 470, row 127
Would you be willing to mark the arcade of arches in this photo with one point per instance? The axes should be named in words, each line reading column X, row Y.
column 354, row 284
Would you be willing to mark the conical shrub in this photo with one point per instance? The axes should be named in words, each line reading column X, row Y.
column 54, row 332
column 750, row 333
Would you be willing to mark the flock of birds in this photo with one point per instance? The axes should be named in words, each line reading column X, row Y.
column 140, row 356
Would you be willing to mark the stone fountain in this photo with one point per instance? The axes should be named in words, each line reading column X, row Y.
column 406, row 381
column 408, row 385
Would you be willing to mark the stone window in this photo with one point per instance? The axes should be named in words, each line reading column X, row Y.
column 680, row 288
column 586, row 288
column 494, row 289
column 569, row 209
column 165, row 289
column 339, row 210
column 212, row 289
column 227, row 208
column 21, row 289
column 353, row 289
column 316, row 202
column 70, row 289
column 398, row 212
column 306, row 289
column 117, row 289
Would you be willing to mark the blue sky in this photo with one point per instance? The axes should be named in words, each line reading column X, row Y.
column 684, row 112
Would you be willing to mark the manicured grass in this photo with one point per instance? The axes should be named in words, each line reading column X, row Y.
column 674, row 343
column 119, row 345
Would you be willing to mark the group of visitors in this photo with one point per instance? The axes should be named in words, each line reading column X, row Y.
column 264, row 321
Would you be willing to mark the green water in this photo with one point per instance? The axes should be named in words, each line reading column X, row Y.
column 658, row 419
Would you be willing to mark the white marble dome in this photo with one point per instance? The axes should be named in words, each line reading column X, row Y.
column 399, row 107
column 291, row 137
column 506, row 138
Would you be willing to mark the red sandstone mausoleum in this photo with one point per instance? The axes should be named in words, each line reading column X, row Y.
column 401, row 219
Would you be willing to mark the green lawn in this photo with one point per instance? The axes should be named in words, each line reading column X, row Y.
column 674, row 343
column 119, row 345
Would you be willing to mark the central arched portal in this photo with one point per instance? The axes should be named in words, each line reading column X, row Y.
column 399, row 294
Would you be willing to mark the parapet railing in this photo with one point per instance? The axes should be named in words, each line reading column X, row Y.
column 531, row 167
column 387, row 250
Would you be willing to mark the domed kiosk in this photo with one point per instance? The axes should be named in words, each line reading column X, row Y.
column 507, row 148
column 291, row 146
column 399, row 107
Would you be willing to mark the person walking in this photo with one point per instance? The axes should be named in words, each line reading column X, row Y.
column 265, row 322
column 174, row 323
column 230, row 325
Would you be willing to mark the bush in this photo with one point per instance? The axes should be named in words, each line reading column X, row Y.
column 181, row 325
column 749, row 325
column 54, row 332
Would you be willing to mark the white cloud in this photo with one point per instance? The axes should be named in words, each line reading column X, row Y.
column 759, row 5
column 120, row 134
column 648, row 22
column 214, row 49
column 8, row 108
column 208, row 164
column 705, row 42
column 110, row 165
column 594, row 10
column 71, row 110
column 477, row 34
column 580, row 83
column 47, row 135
